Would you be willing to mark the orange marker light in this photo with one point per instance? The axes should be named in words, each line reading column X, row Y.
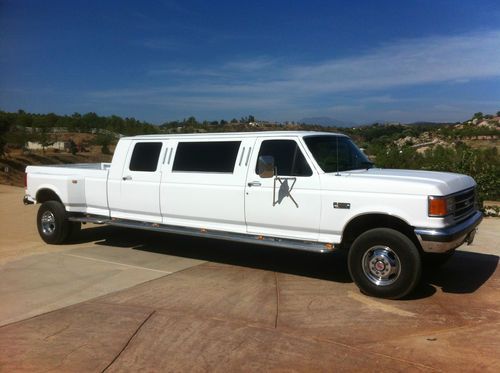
column 437, row 206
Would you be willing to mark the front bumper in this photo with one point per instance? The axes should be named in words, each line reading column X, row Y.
column 440, row 240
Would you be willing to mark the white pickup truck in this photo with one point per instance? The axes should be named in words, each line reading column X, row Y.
column 305, row 190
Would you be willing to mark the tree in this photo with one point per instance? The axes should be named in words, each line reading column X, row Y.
column 191, row 121
column 251, row 118
column 90, row 120
column 104, row 140
column 4, row 129
column 498, row 113
column 44, row 138
column 234, row 121
column 478, row 115
column 22, row 119
column 17, row 137
column 72, row 147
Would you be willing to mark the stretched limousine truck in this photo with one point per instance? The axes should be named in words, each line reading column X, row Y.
column 309, row 191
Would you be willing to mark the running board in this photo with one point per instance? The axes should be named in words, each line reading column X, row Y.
column 90, row 219
column 311, row 246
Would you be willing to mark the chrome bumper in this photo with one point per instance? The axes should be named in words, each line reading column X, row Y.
column 440, row 240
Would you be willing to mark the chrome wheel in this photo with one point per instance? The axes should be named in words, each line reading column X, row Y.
column 381, row 265
column 48, row 222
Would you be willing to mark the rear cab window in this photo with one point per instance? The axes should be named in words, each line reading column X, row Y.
column 145, row 156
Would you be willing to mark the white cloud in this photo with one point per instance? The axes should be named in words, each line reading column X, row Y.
column 407, row 62
column 254, row 82
column 250, row 65
column 186, row 72
column 383, row 99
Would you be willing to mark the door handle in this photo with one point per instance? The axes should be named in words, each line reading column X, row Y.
column 127, row 177
column 254, row 184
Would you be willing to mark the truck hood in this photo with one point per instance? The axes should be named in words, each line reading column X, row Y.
column 400, row 181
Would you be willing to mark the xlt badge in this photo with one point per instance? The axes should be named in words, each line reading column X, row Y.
column 341, row 205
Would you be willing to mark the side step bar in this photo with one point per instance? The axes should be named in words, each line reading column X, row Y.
column 90, row 219
column 311, row 246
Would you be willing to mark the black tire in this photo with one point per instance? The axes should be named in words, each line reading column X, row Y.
column 53, row 225
column 384, row 263
column 436, row 260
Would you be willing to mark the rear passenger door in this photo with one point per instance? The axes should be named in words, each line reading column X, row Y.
column 204, row 184
column 140, row 182
column 288, row 205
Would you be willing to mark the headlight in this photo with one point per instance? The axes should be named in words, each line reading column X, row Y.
column 450, row 204
column 440, row 206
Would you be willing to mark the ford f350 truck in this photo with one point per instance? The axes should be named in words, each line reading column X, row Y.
column 304, row 190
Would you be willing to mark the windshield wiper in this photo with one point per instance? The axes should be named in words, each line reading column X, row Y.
column 363, row 165
column 368, row 164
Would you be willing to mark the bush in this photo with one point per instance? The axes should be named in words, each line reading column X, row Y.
column 482, row 165
column 4, row 129
column 104, row 140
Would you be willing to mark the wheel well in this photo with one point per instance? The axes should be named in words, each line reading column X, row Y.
column 363, row 223
column 44, row 195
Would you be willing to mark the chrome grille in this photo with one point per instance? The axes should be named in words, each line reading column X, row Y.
column 465, row 204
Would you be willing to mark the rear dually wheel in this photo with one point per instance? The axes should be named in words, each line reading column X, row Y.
column 52, row 223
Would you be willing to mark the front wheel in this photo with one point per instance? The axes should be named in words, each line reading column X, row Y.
column 52, row 223
column 384, row 263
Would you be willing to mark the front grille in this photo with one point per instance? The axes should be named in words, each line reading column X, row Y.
column 465, row 204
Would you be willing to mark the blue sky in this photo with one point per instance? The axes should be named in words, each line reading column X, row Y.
column 359, row 61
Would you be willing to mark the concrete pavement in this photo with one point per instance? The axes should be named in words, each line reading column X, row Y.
column 136, row 300
column 38, row 278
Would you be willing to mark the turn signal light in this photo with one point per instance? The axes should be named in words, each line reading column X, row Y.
column 438, row 206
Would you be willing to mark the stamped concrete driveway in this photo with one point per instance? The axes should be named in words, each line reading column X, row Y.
column 169, row 303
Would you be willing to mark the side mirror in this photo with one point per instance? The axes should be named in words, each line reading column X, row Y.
column 265, row 166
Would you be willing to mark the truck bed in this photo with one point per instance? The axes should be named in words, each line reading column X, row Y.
column 81, row 187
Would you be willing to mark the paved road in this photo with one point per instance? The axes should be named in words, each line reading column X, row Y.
column 122, row 300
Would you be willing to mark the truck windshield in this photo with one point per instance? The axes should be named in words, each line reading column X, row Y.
column 337, row 153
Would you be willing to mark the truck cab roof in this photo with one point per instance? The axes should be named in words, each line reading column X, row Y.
column 233, row 135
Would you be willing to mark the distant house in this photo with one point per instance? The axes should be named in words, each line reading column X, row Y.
column 59, row 145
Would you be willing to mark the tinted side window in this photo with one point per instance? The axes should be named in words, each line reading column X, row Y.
column 288, row 158
column 145, row 156
column 214, row 156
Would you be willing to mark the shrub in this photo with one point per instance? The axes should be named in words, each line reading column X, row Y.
column 482, row 164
